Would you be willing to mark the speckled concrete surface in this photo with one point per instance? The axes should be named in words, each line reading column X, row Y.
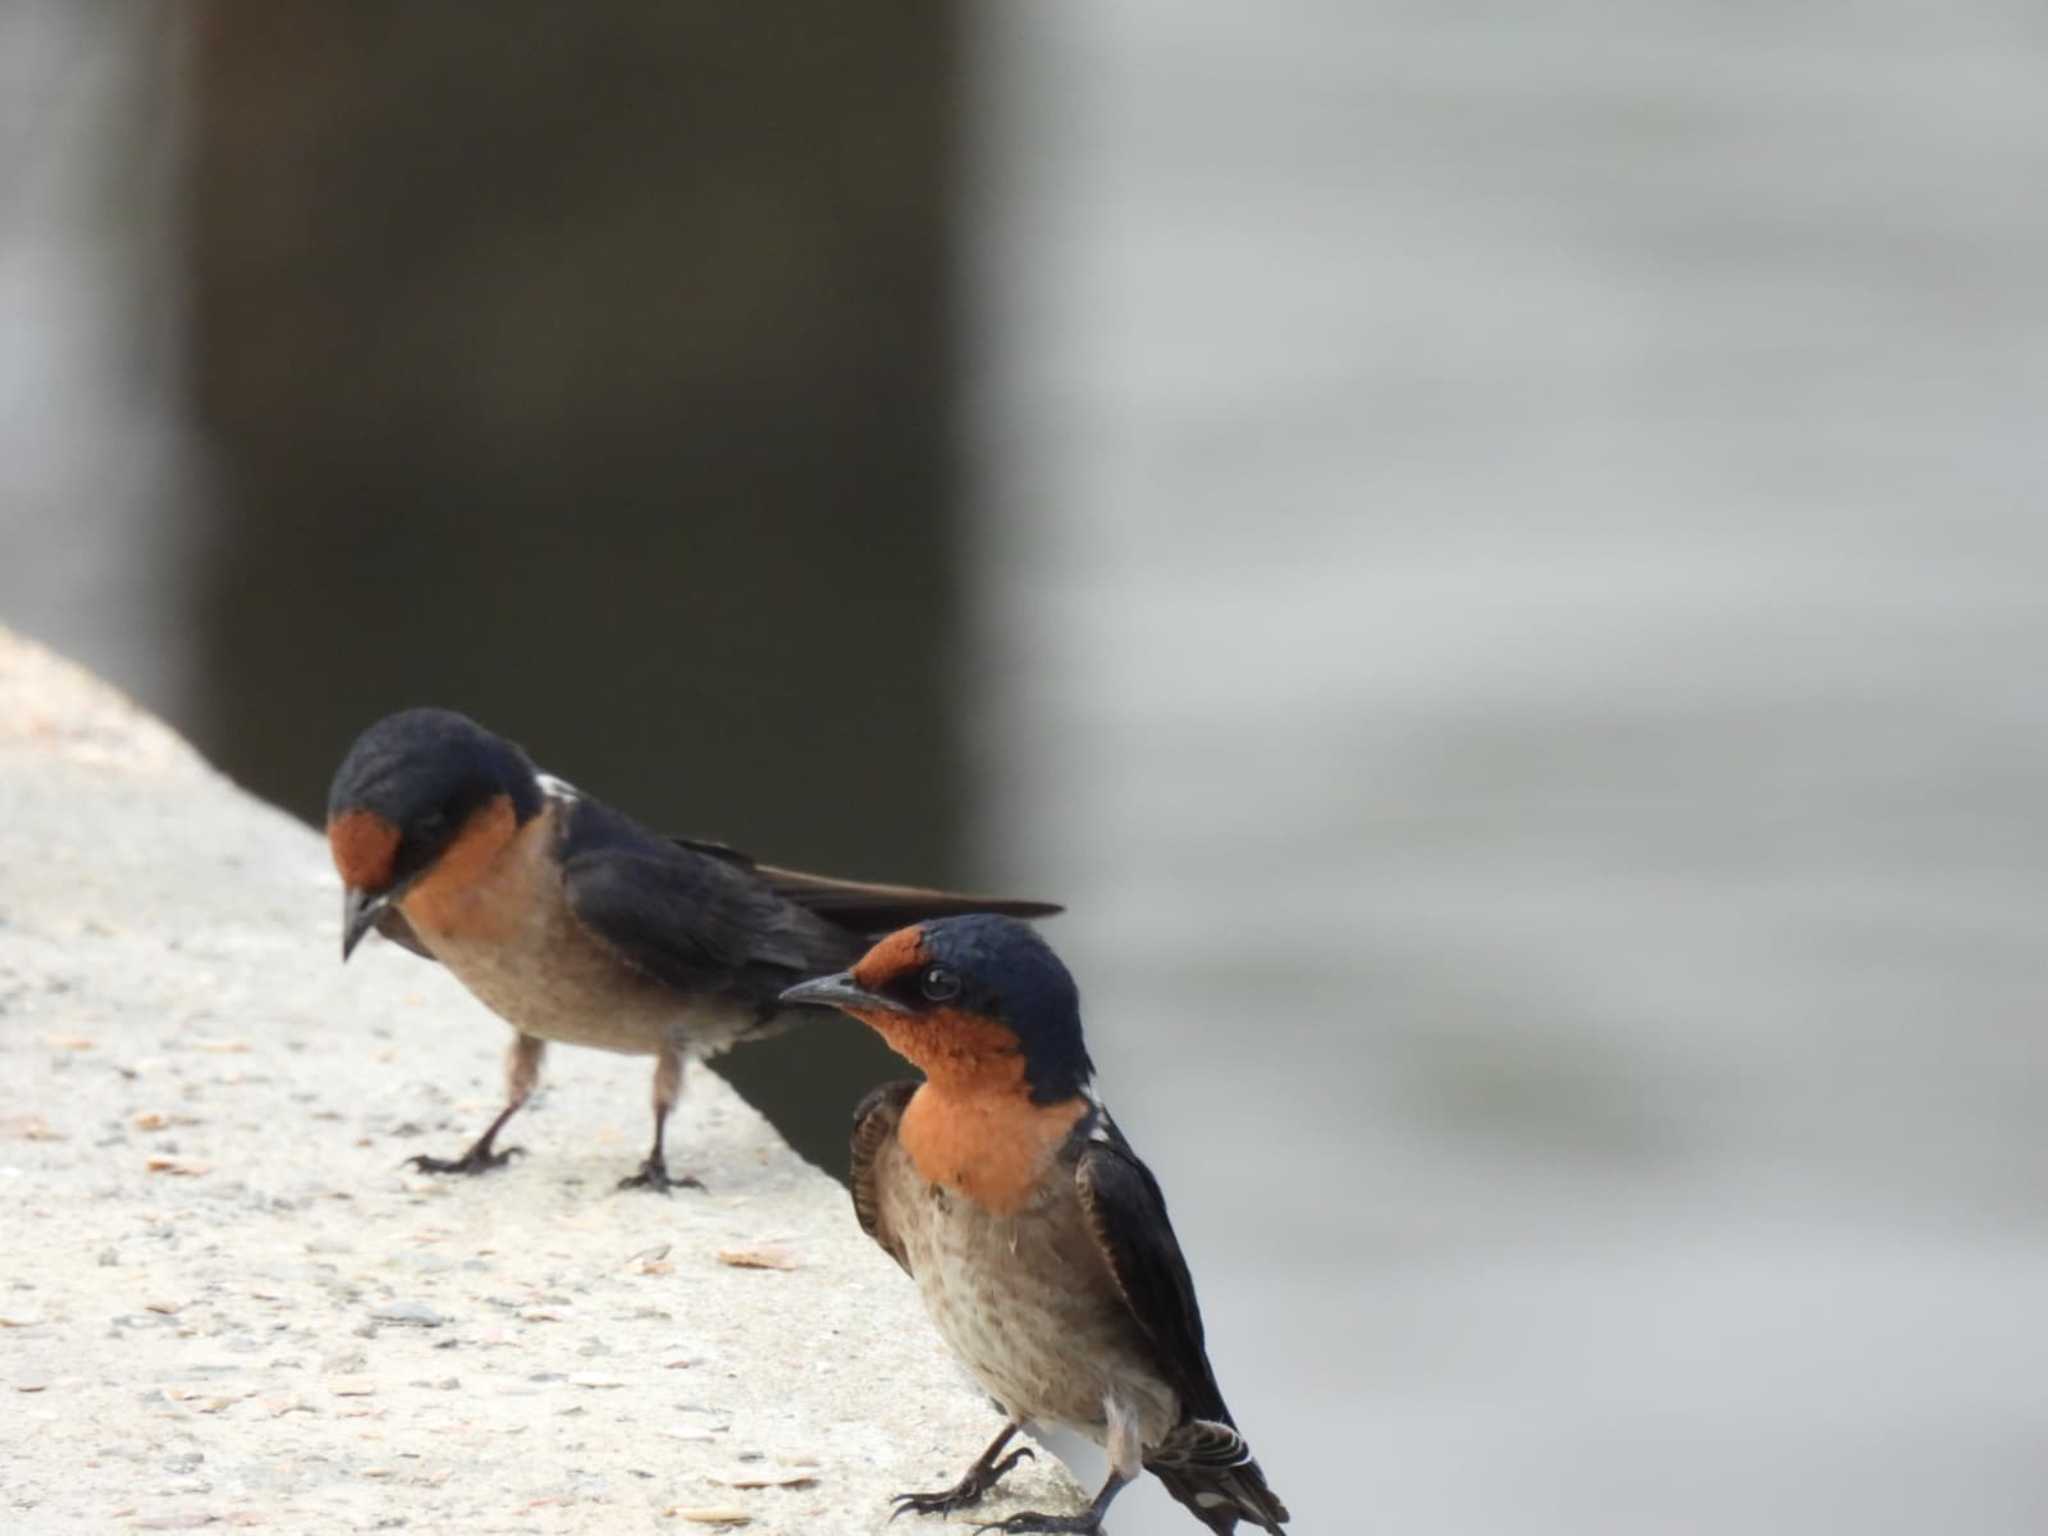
column 224, row 1301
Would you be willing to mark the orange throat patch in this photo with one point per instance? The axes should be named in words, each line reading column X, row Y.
column 457, row 896
column 992, row 1147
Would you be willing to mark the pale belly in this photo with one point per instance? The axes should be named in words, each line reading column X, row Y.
column 548, row 993
column 509, row 936
column 546, row 978
column 1028, row 1309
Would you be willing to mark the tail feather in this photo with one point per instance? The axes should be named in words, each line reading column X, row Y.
column 863, row 907
column 874, row 910
column 1207, row 1466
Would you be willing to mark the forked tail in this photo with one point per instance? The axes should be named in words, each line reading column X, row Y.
column 1207, row 1466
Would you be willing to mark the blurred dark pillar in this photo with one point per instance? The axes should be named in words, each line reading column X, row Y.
column 591, row 369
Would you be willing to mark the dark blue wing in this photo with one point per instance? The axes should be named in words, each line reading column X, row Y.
column 1127, row 1214
column 692, row 920
column 874, row 1123
column 1204, row 1462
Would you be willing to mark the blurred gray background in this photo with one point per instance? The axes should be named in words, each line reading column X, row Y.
column 1495, row 560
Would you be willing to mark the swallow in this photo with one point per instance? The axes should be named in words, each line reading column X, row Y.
column 574, row 923
column 1036, row 1235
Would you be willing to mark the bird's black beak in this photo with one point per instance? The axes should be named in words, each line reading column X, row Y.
column 841, row 991
column 359, row 913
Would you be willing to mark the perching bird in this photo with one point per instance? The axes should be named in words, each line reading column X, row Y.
column 1038, row 1238
column 574, row 923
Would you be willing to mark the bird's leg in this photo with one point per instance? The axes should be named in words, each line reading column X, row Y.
column 1086, row 1523
column 986, row 1472
column 1126, row 1460
column 522, row 1071
column 668, row 1087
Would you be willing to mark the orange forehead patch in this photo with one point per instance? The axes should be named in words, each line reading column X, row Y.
column 364, row 845
column 900, row 952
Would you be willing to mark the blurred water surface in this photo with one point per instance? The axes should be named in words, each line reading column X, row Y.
column 95, row 463
column 1513, row 554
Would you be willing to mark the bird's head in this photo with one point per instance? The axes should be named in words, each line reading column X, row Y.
column 416, row 786
column 977, row 1002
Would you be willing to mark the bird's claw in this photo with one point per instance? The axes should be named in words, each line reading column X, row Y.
column 655, row 1176
column 472, row 1162
column 1030, row 1520
column 967, row 1491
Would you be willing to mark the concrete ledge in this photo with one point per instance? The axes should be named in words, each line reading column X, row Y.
column 223, row 1301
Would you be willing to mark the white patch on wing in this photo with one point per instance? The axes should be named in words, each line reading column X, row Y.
column 557, row 789
column 1098, row 1128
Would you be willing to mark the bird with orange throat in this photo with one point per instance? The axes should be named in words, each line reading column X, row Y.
column 573, row 922
column 1037, row 1237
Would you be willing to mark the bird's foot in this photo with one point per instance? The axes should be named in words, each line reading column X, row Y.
column 1087, row 1523
column 654, row 1175
column 478, row 1159
column 967, row 1491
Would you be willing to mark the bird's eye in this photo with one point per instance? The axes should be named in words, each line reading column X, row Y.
column 938, row 983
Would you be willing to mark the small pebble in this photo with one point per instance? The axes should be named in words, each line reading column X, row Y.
column 766, row 1477
column 409, row 1314
column 178, row 1166
column 759, row 1256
